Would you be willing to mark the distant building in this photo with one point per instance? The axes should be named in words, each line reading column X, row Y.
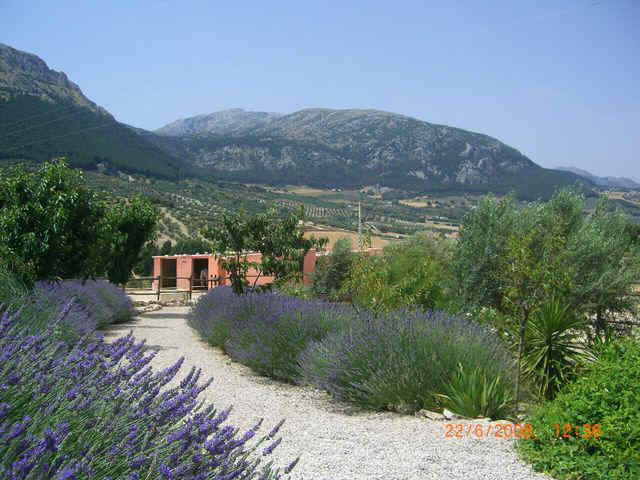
column 177, row 271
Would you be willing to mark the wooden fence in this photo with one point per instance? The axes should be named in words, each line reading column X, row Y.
column 156, row 285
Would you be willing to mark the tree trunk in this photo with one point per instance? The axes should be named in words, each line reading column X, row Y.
column 599, row 324
column 523, row 325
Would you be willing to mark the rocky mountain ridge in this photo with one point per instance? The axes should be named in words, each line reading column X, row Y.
column 23, row 73
column 328, row 147
column 224, row 122
column 316, row 146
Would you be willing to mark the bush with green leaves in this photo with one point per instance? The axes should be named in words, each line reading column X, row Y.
column 606, row 394
column 332, row 270
column 414, row 273
column 555, row 347
column 473, row 392
column 52, row 226
column 513, row 258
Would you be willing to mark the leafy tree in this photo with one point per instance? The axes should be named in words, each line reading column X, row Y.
column 50, row 224
column 53, row 227
column 606, row 264
column 517, row 258
column 532, row 269
column 130, row 225
column 144, row 266
column 278, row 238
column 411, row 274
column 166, row 248
column 481, row 250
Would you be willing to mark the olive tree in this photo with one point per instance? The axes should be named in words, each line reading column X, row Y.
column 517, row 258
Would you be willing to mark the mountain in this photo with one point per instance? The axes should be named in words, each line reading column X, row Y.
column 351, row 148
column 44, row 115
column 225, row 122
column 607, row 182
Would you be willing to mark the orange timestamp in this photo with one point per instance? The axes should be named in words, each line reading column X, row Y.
column 518, row 430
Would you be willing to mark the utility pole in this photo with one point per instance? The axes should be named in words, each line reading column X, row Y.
column 359, row 219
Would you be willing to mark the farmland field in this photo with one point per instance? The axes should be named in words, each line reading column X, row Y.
column 333, row 236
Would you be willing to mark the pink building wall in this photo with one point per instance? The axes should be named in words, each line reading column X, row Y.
column 185, row 264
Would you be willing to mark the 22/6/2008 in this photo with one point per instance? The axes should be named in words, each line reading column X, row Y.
column 517, row 430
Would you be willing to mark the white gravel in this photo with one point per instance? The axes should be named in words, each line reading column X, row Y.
column 334, row 440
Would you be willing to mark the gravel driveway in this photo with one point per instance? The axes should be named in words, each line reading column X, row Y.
column 335, row 441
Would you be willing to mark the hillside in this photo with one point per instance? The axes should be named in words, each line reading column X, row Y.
column 225, row 122
column 606, row 182
column 352, row 148
column 44, row 115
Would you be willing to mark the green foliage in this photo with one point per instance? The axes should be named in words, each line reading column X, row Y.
column 607, row 394
column 277, row 238
column 50, row 224
column 515, row 258
column 481, row 251
column 131, row 225
column 606, row 264
column 472, row 392
column 414, row 273
column 553, row 351
column 332, row 270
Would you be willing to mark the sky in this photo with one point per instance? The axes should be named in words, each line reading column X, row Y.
column 558, row 81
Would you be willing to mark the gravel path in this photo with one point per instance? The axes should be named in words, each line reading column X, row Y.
column 335, row 441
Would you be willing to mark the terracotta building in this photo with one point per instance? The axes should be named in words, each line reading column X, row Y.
column 177, row 271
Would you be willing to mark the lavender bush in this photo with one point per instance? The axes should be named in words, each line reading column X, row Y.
column 97, row 302
column 266, row 331
column 97, row 410
column 403, row 360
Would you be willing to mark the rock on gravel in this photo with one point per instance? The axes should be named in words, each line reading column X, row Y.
column 334, row 440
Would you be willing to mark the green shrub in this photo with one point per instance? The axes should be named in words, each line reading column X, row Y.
column 553, row 351
column 607, row 394
column 473, row 393
column 332, row 270
column 411, row 274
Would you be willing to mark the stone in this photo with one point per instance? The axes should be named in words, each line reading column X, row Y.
column 430, row 415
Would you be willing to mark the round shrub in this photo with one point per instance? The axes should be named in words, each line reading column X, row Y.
column 607, row 394
column 404, row 360
column 265, row 330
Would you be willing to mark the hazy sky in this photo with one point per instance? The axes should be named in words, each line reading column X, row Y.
column 558, row 80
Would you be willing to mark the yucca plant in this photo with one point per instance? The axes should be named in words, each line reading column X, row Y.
column 553, row 348
column 475, row 393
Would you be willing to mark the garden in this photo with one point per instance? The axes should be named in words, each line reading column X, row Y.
column 529, row 317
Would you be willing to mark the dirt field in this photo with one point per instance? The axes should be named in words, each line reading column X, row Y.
column 334, row 235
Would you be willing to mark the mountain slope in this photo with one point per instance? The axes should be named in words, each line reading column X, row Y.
column 44, row 115
column 619, row 182
column 225, row 122
column 351, row 148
